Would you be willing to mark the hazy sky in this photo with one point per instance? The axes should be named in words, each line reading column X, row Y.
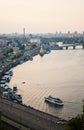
column 41, row 16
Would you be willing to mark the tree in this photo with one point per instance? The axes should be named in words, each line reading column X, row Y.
column 76, row 123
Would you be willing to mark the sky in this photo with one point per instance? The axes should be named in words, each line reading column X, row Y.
column 41, row 16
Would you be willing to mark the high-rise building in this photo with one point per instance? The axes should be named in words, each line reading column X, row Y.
column 24, row 32
column 83, row 32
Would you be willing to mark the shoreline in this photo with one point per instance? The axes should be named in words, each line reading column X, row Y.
column 30, row 117
column 13, row 64
column 18, row 61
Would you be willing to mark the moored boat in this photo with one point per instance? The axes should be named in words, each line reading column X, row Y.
column 10, row 73
column 18, row 97
column 54, row 100
column 8, row 78
column 15, row 89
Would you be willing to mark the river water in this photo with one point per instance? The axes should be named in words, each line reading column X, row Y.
column 60, row 74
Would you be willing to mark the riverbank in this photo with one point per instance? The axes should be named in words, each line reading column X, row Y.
column 12, row 63
column 29, row 117
column 34, row 116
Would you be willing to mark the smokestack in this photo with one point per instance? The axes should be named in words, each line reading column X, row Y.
column 24, row 32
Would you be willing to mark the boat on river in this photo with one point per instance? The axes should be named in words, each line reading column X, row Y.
column 18, row 96
column 54, row 100
column 10, row 73
column 15, row 89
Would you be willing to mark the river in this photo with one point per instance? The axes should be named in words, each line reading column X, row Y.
column 60, row 74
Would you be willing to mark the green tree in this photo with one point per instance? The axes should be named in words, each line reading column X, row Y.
column 76, row 123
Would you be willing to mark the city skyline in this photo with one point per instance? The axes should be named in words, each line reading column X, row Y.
column 41, row 16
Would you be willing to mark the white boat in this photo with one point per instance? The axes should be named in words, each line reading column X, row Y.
column 54, row 100
column 18, row 97
column 10, row 73
column 8, row 78
column 15, row 89
column 2, row 82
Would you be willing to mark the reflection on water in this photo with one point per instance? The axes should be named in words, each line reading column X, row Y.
column 60, row 73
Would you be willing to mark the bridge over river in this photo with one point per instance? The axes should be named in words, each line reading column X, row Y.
column 66, row 46
column 26, row 118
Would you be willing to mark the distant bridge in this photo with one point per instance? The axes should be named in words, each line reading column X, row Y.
column 66, row 46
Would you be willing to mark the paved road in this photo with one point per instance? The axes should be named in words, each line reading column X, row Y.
column 29, row 117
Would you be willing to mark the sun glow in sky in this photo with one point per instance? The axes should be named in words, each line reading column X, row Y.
column 41, row 16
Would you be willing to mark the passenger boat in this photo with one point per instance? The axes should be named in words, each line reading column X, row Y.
column 8, row 78
column 18, row 97
column 10, row 73
column 54, row 100
column 2, row 82
column 15, row 89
